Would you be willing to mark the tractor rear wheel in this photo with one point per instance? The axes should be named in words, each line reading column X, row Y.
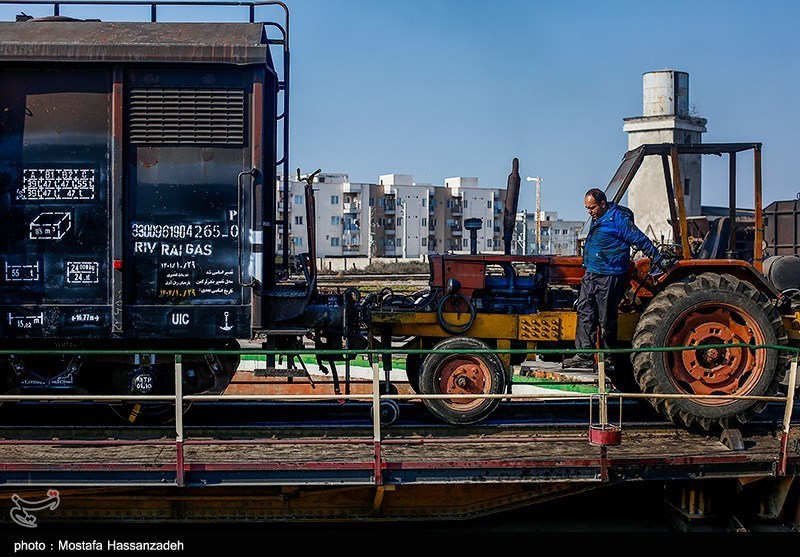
column 462, row 373
column 710, row 309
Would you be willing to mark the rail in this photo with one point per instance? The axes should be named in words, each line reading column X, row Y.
column 602, row 433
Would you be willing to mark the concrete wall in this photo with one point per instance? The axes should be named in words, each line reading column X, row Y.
column 336, row 264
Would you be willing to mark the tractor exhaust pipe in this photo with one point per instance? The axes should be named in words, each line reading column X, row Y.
column 512, row 201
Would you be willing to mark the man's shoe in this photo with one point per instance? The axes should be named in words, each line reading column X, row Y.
column 578, row 362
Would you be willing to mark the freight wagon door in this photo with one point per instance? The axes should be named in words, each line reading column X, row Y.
column 54, row 210
column 187, row 202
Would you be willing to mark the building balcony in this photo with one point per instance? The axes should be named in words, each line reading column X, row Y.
column 351, row 239
column 390, row 231
column 456, row 230
column 281, row 205
column 351, row 208
column 390, row 252
column 390, row 209
column 456, row 210
column 350, row 250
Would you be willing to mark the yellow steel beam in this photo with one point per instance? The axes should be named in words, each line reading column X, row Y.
column 792, row 325
column 546, row 326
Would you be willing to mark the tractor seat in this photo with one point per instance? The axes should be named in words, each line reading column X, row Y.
column 716, row 241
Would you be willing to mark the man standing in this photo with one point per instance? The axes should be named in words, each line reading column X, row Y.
column 606, row 257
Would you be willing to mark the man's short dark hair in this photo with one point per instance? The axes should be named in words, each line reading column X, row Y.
column 598, row 195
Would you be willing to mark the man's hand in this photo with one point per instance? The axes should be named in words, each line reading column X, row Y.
column 662, row 264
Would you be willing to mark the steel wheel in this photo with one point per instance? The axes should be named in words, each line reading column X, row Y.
column 463, row 373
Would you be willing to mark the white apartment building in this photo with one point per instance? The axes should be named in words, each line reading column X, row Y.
column 467, row 200
column 557, row 237
column 396, row 217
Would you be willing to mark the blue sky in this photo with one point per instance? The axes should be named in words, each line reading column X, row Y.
column 439, row 88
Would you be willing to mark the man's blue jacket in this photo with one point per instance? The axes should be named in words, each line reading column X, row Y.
column 608, row 244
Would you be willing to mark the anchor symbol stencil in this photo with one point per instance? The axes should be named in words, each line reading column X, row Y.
column 226, row 327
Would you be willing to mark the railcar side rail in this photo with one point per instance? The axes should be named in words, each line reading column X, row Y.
column 593, row 452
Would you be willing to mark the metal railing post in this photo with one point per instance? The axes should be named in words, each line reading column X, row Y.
column 179, row 470
column 601, row 388
column 787, row 416
column 376, row 418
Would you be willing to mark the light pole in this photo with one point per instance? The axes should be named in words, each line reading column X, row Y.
column 402, row 205
column 538, row 181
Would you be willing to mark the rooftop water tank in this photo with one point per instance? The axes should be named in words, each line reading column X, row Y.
column 666, row 93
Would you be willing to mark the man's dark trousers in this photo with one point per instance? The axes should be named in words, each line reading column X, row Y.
column 598, row 301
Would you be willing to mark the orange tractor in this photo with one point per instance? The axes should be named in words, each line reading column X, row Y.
column 709, row 299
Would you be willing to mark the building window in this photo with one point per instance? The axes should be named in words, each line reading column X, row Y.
column 423, row 201
column 334, row 242
column 382, row 242
column 297, row 240
column 424, row 241
column 298, row 199
column 465, row 203
column 489, row 204
column 335, row 220
column 399, row 242
column 381, row 201
column 488, row 243
column 371, row 201
column 398, row 221
column 449, row 203
column 686, row 186
column 334, row 200
column 464, row 242
column 424, row 222
column 298, row 220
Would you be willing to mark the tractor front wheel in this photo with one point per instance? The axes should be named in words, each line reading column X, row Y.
column 462, row 373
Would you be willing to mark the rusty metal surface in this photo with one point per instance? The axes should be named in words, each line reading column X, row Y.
column 782, row 227
column 45, row 41
column 758, row 253
column 284, row 503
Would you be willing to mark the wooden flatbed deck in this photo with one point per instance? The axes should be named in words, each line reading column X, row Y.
column 563, row 456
